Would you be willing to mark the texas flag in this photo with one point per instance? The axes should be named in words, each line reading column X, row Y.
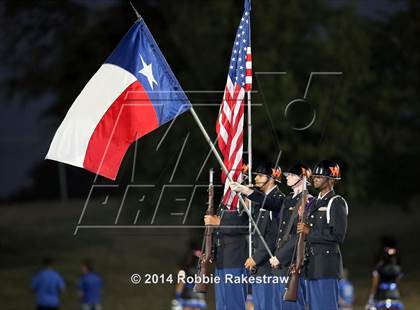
column 131, row 94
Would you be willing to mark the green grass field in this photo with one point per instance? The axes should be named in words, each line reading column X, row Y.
column 28, row 232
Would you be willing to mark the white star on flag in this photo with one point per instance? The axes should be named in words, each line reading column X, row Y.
column 148, row 72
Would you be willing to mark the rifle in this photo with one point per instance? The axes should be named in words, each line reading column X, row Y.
column 207, row 248
column 295, row 268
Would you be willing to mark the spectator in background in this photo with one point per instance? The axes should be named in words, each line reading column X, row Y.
column 48, row 286
column 185, row 296
column 385, row 278
column 90, row 287
column 345, row 293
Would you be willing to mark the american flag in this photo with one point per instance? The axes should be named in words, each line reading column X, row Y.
column 230, row 123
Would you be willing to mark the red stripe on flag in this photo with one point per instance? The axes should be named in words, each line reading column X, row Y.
column 130, row 117
column 233, row 125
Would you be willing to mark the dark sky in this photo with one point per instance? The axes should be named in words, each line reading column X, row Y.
column 372, row 8
column 23, row 141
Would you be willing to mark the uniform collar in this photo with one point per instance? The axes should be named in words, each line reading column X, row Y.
column 295, row 196
column 271, row 189
column 327, row 195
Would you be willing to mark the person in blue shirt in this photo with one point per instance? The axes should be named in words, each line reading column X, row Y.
column 90, row 287
column 48, row 286
column 345, row 293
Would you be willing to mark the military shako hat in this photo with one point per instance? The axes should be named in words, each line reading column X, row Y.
column 270, row 170
column 327, row 168
column 299, row 169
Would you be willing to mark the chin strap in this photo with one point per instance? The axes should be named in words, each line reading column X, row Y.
column 300, row 179
column 265, row 183
column 324, row 182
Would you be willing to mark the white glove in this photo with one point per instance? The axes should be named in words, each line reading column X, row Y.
column 239, row 188
column 274, row 262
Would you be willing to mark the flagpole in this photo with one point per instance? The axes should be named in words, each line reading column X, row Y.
column 219, row 159
column 249, row 149
column 249, row 165
column 249, row 139
column 249, row 168
column 136, row 12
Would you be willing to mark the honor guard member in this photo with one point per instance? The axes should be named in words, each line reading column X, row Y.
column 266, row 193
column 267, row 175
column 325, row 232
column 287, row 237
column 230, row 252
